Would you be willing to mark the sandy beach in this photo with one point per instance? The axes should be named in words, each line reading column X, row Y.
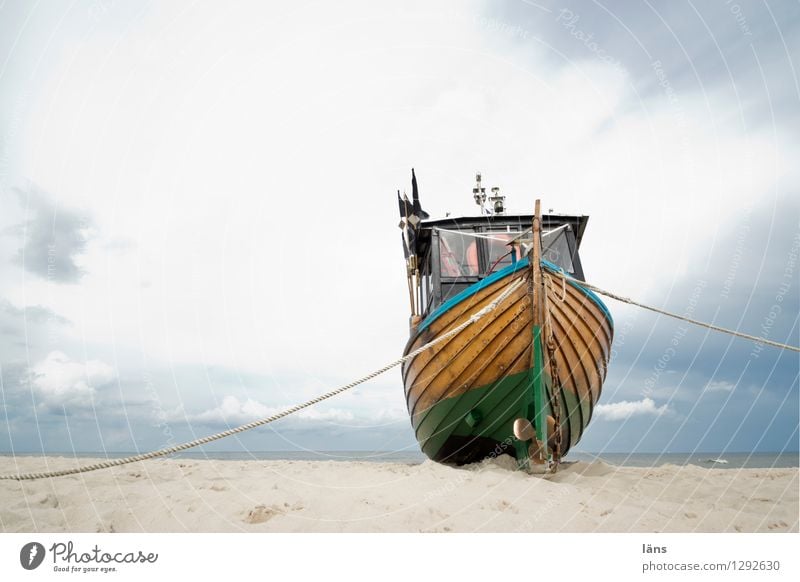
column 173, row 495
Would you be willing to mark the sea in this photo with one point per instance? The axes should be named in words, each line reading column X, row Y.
column 718, row 460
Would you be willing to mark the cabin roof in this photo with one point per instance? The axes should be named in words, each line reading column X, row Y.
column 578, row 222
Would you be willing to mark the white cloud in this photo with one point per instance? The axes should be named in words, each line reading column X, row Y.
column 626, row 409
column 198, row 157
column 232, row 411
column 58, row 380
column 247, row 296
column 719, row 386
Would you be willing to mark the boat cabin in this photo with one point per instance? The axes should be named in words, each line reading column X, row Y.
column 454, row 253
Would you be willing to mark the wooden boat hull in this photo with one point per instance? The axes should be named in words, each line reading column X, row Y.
column 464, row 394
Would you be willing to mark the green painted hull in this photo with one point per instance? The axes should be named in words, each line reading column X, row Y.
column 448, row 431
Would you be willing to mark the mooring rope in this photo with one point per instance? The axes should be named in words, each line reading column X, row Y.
column 760, row 340
column 205, row 440
column 472, row 319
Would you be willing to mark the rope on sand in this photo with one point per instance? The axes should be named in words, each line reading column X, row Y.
column 205, row 440
column 475, row 317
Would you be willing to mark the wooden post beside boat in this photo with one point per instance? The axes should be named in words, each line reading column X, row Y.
column 410, row 291
column 413, row 291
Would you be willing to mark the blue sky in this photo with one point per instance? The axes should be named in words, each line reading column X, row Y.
column 198, row 223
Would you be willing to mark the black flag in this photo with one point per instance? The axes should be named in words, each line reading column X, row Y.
column 409, row 232
column 411, row 214
column 405, row 205
column 415, row 196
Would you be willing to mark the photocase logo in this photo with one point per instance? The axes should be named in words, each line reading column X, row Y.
column 31, row 555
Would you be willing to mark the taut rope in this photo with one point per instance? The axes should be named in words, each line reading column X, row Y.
column 205, row 440
column 760, row 340
column 475, row 317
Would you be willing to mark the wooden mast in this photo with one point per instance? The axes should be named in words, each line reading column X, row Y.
column 532, row 437
column 538, row 450
column 536, row 268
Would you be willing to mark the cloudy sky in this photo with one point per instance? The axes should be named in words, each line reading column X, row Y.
column 198, row 222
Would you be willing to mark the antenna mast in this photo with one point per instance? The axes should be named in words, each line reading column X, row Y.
column 496, row 202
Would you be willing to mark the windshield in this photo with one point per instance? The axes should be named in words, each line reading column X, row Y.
column 471, row 254
column 458, row 253
column 555, row 249
column 499, row 254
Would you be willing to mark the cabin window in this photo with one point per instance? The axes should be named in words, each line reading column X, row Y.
column 453, row 260
column 555, row 248
column 458, row 254
column 498, row 251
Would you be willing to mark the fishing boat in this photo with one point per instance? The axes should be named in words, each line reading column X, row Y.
column 524, row 378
